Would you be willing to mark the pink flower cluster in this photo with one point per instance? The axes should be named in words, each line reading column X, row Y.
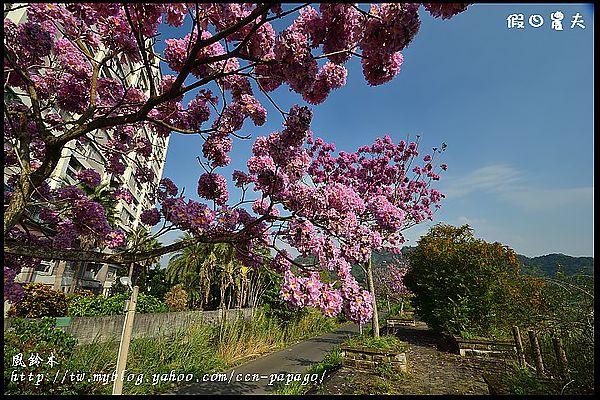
column 150, row 217
column 389, row 280
column 123, row 194
column 445, row 10
column 213, row 186
column 261, row 207
column 309, row 291
column 354, row 203
column 89, row 177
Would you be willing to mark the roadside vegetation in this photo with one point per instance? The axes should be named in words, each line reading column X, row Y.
column 198, row 350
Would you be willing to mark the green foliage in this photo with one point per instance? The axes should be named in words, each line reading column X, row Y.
column 85, row 305
column 385, row 343
column 466, row 285
column 40, row 300
column 152, row 281
column 210, row 273
column 177, row 298
column 197, row 350
column 396, row 308
column 31, row 338
column 522, row 381
column 571, row 318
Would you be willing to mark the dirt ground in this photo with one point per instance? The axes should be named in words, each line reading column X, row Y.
column 431, row 370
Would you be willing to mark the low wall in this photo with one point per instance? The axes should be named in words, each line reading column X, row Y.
column 483, row 348
column 363, row 359
column 110, row 327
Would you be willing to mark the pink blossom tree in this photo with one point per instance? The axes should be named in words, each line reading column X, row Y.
column 64, row 83
column 389, row 282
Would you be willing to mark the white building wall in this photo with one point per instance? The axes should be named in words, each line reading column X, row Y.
column 88, row 155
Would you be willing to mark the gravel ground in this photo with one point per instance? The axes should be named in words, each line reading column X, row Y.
column 430, row 371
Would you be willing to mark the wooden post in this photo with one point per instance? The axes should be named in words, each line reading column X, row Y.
column 125, row 339
column 561, row 356
column 519, row 346
column 537, row 353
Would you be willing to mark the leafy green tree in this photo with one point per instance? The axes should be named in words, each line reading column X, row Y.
column 464, row 285
column 141, row 240
column 207, row 271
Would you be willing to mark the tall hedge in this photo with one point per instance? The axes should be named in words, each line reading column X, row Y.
column 466, row 286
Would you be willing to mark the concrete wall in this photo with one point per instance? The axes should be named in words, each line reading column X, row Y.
column 108, row 328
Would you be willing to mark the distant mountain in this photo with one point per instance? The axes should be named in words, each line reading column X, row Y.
column 549, row 264
column 546, row 265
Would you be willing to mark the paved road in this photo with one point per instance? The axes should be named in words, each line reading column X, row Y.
column 293, row 360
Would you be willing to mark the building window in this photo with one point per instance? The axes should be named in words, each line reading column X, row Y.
column 74, row 167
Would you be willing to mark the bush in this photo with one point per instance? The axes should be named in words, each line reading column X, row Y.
column 571, row 318
column 177, row 298
column 40, row 300
column 85, row 305
column 31, row 338
column 464, row 285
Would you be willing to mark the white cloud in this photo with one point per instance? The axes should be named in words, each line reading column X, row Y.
column 508, row 184
column 492, row 178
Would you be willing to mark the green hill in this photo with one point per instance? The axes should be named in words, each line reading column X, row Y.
column 546, row 265
column 549, row 264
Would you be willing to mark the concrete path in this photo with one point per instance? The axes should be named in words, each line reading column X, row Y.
column 261, row 376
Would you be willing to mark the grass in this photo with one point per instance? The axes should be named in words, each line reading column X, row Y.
column 522, row 381
column 331, row 361
column 197, row 350
column 384, row 343
column 495, row 335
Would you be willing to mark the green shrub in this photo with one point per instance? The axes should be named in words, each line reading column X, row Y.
column 30, row 338
column 522, row 381
column 465, row 285
column 84, row 305
column 40, row 300
column 177, row 298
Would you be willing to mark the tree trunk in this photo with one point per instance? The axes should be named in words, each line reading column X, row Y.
column 375, row 320
column 17, row 203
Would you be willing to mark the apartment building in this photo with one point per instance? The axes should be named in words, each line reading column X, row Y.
column 78, row 155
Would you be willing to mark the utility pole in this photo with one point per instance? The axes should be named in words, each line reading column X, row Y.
column 125, row 339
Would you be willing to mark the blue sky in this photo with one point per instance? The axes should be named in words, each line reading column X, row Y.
column 515, row 107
